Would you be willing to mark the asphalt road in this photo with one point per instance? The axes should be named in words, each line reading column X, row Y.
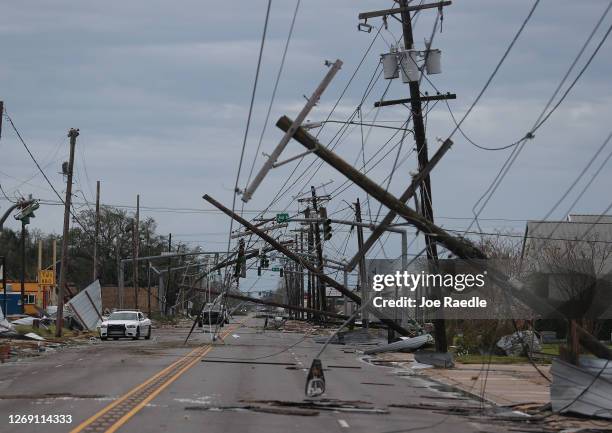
column 162, row 386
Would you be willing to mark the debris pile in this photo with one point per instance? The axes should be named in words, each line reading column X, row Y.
column 405, row 344
column 519, row 343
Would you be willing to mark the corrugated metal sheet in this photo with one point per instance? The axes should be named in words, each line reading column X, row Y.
column 87, row 306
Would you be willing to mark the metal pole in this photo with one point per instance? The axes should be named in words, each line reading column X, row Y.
column 73, row 134
column 149, row 289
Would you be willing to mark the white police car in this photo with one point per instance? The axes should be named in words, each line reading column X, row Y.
column 125, row 323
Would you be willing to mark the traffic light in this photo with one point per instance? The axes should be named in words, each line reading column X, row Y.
column 259, row 271
column 281, row 272
column 327, row 228
column 264, row 262
column 240, row 269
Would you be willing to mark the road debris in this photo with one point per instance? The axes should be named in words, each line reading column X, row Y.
column 33, row 336
column 584, row 389
column 436, row 359
column 355, row 406
column 408, row 344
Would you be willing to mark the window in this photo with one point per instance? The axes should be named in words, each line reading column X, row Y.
column 123, row 316
column 30, row 299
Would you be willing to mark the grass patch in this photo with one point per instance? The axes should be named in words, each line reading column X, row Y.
column 495, row 359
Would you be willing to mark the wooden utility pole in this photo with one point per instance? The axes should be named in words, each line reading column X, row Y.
column 407, row 195
column 23, row 265
column 97, row 233
column 135, row 245
column 167, row 291
column 363, row 276
column 423, row 159
column 453, row 243
column 319, row 247
column 39, row 262
column 301, row 269
column 312, row 296
column 72, row 134
column 54, row 258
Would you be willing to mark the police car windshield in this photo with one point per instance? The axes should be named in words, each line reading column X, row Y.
column 123, row 316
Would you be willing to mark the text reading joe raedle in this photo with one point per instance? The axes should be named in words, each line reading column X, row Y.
column 427, row 281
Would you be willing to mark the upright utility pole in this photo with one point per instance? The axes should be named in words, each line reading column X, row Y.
column 73, row 134
column 363, row 277
column 54, row 258
column 167, row 294
column 301, row 269
column 97, row 233
column 135, row 245
column 311, row 303
column 4, row 301
column 23, row 265
column 319, row 247
column 423, row 160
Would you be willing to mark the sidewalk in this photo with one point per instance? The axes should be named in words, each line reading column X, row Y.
column 504, row 384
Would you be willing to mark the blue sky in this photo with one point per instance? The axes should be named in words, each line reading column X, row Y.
column 160, row 91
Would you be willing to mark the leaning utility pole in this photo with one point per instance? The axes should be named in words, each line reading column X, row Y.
column 135, row 245
column 97, row 233
column 363, row 276
column 423, row 160
column 73, row 134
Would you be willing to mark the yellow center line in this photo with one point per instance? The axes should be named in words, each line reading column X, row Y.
column 116, row 425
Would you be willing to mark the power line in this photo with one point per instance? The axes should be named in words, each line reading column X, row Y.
column 497, row 67
column 273, row 97
column 248, row 123
column 541, row 118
